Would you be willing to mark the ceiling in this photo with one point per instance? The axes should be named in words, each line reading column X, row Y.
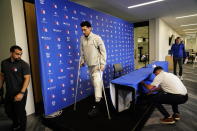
column 166, row 10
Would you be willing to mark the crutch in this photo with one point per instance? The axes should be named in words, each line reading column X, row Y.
column 109, row 117
column 78, row 73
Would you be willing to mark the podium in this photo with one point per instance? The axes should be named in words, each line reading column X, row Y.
column 170, row 62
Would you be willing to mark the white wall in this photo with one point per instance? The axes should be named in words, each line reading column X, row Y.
column 159, row 39
column 152, row 39
column 21, row 40
column 191, row 43
column 7, row 37
column 13, row 32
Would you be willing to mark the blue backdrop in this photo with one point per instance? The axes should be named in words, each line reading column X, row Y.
column 59, row 34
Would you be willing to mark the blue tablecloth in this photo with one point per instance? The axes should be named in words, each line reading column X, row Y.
column 132, row 80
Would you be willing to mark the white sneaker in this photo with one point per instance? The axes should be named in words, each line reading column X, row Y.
column 181, row 77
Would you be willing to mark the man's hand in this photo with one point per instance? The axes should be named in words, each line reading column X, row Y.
column 18, row 97
column 102, row 67
column 82, row 64
column 142, row 83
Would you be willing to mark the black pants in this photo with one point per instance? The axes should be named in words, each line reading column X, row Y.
column 167, row 98
column 180, row 62
column 15, row 110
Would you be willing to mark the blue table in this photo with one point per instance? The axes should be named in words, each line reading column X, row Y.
column 131, row 80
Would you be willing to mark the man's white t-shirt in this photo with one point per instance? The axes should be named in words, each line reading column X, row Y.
column 170, row 83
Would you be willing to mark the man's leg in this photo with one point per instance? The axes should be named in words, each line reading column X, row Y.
column 9, row 110
column 158, row 100
column 180, row 62
column 97, row 83
column 175, row 108
column 20, row 112
column 174, row 65
column 182, row 99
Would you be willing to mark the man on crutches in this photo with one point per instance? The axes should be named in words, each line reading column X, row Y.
column 93, row 53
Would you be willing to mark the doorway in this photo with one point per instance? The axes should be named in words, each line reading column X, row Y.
column 30, row 19
column 141, row 42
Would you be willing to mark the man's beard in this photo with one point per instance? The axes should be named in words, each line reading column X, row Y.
column 17, row 59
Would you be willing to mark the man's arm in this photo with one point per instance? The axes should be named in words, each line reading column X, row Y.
column 25, row 83
column 26, row 75
column 82, row 60
column 19, row 96
column 172, row 50
column 103, row 53
column 184, row 52
column 1, row 79
column 149, row 87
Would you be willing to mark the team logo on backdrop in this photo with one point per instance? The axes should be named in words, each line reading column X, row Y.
column 55, row 6
column 43, row 11
column 45, row 29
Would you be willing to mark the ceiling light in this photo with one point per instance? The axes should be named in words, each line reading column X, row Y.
column 186, row 16
column 146, row 3
column 190, row 29
column 189, row 24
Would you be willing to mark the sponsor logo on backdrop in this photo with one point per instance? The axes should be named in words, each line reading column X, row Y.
column 48, row 55
column 42, row 2
column 53, row 103
column 45, row 38
column 51, row 88
column 63, row 92
column 74, row 12
column 57, row 30
column 65, row 8
column 67, row 24
column 74, row 18
column 64, row 99
column 82, row 13
column 53, row 96
column 61, row 77
column 43, row 20
column 70, row 68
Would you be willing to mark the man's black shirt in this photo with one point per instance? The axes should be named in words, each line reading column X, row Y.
column 14, row 75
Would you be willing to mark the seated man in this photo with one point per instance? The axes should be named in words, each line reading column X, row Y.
column 173, row 93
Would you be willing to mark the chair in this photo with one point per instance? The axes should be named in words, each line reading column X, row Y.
column 195, row 62
column 117, row 70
